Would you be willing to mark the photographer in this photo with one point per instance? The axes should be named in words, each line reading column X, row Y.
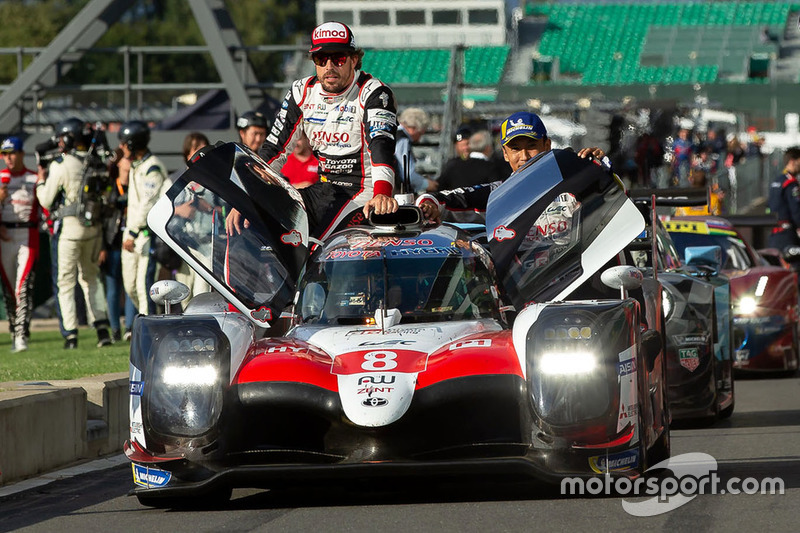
column 19, row 239
column 79, row 241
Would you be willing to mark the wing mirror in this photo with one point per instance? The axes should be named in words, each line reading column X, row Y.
column 168, row 292
column 707, row 259
column 623, row 277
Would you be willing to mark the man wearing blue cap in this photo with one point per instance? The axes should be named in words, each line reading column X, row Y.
column 19, row 239
column 523, row 136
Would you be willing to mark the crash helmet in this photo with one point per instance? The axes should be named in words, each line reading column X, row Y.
column 135, row 134
column 251, row 118
column 72, row 132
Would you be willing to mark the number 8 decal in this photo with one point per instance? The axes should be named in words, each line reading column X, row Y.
column 379, row 361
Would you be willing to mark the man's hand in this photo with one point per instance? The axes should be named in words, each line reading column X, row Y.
column 127, row 245
column 381, row 205
column 101, row 258
column 3, row 193
column 233, row 223
column 430, row 211
column 594, row 151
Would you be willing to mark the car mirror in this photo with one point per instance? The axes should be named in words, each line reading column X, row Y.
column 168, row 292
column 705, row 258
column 623, row 278
column 313, row 301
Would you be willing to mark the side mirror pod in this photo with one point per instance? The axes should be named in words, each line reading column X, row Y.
column 707, row 259
column 652, row 346
column 168, row 292
column 623, row 278
column 791, row 253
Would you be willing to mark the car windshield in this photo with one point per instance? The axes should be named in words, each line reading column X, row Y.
column 734, row 250
column 427, row 278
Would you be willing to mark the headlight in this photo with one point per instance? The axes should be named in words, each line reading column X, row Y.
column 747, row 305
column 186, row 381
column 567, row 363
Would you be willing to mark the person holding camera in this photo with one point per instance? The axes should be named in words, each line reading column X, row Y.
column 19, row 240
column 79, row 241
column 147, row 180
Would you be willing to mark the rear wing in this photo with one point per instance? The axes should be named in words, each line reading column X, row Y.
column 671, row 197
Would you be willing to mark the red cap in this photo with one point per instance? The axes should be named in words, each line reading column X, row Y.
column 334, row 37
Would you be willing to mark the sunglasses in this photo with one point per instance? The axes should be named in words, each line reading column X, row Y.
column 338, row 59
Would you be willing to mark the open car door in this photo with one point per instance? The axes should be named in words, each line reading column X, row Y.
column 554, row 223
column 256, row 270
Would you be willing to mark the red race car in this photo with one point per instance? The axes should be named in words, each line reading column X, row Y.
column 764, row 297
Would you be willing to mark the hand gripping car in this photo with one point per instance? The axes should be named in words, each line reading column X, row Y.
column 399, row 358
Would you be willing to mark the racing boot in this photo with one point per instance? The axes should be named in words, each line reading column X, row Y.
column 103, row 338
column 71, row 342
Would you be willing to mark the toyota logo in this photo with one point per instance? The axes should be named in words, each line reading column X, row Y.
column 374, row 402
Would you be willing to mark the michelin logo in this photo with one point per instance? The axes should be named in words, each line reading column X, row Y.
column 615, row 462
column 150, row 476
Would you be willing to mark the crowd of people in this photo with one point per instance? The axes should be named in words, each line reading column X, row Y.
column 337, row 138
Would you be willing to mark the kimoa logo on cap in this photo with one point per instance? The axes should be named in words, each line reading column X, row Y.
column 330, row 32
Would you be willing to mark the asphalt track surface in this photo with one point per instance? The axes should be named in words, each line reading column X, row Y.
column 760, row 441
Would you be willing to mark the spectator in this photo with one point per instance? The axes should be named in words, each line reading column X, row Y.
column 147, row 180
column 477, row 168
column 697, row 179
column 413, row 124
column 79, row 244
column 301, row 167
column 461, row 142
column 784, row 202
column 19, row 240
column 682, row 151
column 252, row 127
column 117, row 300
column 649, row 157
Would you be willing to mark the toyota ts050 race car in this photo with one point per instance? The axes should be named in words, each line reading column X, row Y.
column 399, row 358
column 764, row 297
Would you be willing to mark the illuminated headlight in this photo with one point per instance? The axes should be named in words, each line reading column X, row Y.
column 747, row 305
column 567, row 363
column 186, row 382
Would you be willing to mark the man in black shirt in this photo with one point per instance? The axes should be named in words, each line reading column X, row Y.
column 477, row 168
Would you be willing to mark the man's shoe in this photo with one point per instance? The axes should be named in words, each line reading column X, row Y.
column 20, row 345
column 103, row 338
column 127, row 336
column 116, row 335
column 71, row 342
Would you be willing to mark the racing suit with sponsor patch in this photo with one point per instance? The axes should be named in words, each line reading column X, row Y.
column 784, row 202
column 19, row 249
column 146, row 182
column 352, row 135
column 78, row 244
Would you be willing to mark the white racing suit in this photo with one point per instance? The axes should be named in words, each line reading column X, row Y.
column 19, row 216
column 352, row 135
column 147, row 181
column 78, row 245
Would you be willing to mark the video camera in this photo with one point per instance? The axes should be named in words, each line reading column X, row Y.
column 93, row 138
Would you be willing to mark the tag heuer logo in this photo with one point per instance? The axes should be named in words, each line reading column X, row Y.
column 689, row 358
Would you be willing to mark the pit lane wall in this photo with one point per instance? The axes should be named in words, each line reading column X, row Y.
column 46, row 425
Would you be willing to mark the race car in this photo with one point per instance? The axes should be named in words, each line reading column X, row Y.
column 764, row 297
column 399, row 358
column 697, row 311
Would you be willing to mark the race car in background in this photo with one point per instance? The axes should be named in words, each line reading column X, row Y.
column 400, row 359
column 697, row 311
column 764, row 297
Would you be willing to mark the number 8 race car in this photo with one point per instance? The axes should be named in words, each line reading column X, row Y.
column 399, row 358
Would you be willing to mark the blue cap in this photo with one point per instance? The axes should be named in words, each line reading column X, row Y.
column 522, row 124
column 11, row 144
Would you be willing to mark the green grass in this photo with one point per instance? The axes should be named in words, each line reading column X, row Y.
column 47, row 359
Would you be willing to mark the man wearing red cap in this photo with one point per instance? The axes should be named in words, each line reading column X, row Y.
column 350, row 119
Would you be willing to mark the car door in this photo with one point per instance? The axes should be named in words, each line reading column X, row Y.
column 255, row 269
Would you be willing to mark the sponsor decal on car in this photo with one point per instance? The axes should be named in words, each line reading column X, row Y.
column 502, row 233
column 293, row 237
column 472, row 343
column 263, row 314
column 374, row 402
column 685, row 339
column 742, row 356
column 689, row 358
column 615, row 462
column 150, row 476
column 626, row 370
column 136, row 388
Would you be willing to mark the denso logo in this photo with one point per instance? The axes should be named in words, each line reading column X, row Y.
column 330, row 137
